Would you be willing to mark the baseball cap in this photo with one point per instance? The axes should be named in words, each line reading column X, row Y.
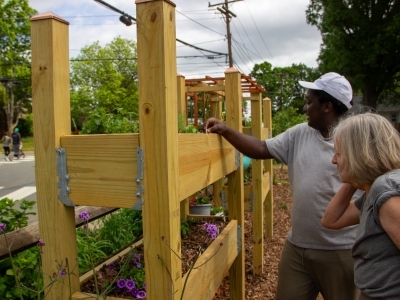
column 334, row 84
column 16, row 129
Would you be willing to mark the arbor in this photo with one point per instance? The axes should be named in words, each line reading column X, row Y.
column 105, row 77
column 15, row 59
column 361, row 40
column 281, row 84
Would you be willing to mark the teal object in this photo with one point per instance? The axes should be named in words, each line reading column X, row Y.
column 246, row 162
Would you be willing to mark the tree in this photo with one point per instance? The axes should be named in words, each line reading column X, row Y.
column 281, row 84
column 105, row 77
column 361, row 40
column 15, row 59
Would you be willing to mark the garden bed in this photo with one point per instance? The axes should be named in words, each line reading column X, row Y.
column 195, row 240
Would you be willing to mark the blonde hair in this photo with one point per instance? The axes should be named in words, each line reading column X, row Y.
column 369, row 144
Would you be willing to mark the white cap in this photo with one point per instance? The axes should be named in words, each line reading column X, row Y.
column 334, row 84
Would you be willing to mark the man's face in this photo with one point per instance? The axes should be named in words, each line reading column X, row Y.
column 313, row 110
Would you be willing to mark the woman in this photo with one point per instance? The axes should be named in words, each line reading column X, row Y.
column 367, row 155
column 6, row 140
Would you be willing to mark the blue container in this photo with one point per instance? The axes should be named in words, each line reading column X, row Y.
column 246, row 162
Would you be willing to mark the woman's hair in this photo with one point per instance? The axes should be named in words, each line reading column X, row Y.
column 369, row 144
column 324, row 97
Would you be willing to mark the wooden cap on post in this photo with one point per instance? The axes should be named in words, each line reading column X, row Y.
column 49, row 15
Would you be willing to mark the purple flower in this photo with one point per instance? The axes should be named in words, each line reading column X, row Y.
column 63, row 272
column 141, row 295
column 130, row 284
column 121, row 283
column 136, row 256
column 212, row 230
column 111, row 266
column 137, row 264
column 134, row 292
column 84, row 215
column 3, row 227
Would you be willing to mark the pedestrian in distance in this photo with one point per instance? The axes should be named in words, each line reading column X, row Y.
column 368, row 158
column 6, row 140
column 314, row 259
column 16, row 141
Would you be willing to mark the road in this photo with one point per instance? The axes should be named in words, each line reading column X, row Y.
column 17, row 180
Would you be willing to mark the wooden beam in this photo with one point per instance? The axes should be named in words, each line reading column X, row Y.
column 257, row 188
column 108, row 177
column 51, row 111
column 269, row 211
column 205, row 88
column 159, row 140
column 235, row 181
column 204, row 281
column 28, row 237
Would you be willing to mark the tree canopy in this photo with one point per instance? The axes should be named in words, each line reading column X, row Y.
column 105, row 77
column 361, row 40
column 282, row 85
column 15, row 59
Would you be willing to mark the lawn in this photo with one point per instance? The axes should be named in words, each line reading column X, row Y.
column 27, row 143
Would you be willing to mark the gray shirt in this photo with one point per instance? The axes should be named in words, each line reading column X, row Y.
column 314, row 180
column 377, row 258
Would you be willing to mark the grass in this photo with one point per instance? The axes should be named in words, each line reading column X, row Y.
column 27, row 143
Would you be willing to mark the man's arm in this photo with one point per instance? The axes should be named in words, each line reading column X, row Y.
column 246, row 144
column 341, row 211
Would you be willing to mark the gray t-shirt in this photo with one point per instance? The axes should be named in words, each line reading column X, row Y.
column 377, row 258
column 314, row 180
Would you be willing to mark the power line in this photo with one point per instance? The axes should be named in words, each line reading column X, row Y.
column 260, row 33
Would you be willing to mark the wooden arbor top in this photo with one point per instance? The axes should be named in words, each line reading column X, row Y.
column 248, row 84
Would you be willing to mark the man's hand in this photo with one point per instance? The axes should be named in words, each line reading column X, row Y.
column 213, row 125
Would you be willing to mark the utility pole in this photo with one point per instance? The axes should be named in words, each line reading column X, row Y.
column 228, row 14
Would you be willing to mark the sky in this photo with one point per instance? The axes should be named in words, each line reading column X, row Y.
column 263, row 30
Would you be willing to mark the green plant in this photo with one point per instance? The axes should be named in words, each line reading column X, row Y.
column 201, row 197
column 120, row 228
column 216, row 210
column 15, row 218
column 282, row 206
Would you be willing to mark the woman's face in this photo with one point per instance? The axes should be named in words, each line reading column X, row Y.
column 339, row 160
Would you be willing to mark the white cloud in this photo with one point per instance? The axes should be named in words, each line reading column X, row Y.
column 275, row 31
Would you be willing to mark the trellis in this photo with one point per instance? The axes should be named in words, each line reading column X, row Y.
column 155, row 169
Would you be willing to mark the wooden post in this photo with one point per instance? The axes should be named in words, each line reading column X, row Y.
column 181, row 97
column 51, row 110
column 159, row 141
column 216, row 112
column 269, row 209
column 257, row 186
column 233, row 98
column 182, row 112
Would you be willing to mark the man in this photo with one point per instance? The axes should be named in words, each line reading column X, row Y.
column 314, row 259
column 6, row 140
column 16, row 141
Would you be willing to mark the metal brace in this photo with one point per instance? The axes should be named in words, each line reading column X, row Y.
column 251, row 201
column 237, row 158
column 239, row 238
column 140, row 171
column 223, row 200
column 63, row 177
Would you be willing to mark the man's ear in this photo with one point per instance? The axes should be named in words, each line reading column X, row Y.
column 327, row 106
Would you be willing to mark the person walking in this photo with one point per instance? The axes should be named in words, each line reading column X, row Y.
column 368, row 158
column 16, row 141
column 314, row 259
column 6, row 140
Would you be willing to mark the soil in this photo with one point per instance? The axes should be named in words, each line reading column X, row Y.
column 260, row 287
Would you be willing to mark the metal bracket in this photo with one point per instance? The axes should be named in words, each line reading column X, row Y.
column 239, row 238
column 63, row 177
column 223, row 200
column 237, row 158
column 251, row 201
column 140, row 171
